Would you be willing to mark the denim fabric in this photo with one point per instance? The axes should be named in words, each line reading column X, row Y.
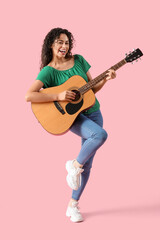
column 90, row 129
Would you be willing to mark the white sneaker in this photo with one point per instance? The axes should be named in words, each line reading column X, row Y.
column 74, row 175
column 74, row 213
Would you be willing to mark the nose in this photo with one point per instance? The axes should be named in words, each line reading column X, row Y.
column 64, row 45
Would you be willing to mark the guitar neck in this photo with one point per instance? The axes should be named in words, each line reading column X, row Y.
column 96, row 80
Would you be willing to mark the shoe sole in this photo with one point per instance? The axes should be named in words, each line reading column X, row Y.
column 68, row 181
column 73, row 220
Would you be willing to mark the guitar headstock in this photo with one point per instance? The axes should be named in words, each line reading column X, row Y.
column 137, row 53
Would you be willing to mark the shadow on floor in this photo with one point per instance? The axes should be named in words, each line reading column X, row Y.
column 127, row 210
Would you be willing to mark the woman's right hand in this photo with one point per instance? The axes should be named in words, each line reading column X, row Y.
column 66, row 96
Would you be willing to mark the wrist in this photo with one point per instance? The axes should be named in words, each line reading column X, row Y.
column 55, row 97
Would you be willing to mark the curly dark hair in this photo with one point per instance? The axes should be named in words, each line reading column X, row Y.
column 46, row 53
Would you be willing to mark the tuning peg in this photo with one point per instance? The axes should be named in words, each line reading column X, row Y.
column 134, row 49
column 137, row 60
column 126, row 54
column 132, row 62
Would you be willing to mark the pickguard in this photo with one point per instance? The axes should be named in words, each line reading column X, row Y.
column 73, row 108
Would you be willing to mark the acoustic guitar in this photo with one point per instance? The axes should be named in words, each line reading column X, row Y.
column 57, row 117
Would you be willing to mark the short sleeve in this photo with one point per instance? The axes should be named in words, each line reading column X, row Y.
column 45, row 77
column 86, row 66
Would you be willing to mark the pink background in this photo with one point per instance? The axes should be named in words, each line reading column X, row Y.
column 122, row 197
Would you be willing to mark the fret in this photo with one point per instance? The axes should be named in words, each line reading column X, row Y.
column 118, row 65
column 94, row 81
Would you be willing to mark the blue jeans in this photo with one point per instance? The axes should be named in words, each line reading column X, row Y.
column 89, row 128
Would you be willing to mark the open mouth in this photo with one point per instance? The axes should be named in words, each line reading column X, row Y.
column 62, row 51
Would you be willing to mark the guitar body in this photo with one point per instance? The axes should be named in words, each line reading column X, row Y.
column 58, row 117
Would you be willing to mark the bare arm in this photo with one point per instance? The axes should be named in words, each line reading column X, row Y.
column 110, row 75
column 33, row 94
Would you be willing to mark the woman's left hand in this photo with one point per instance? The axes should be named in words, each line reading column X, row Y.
column 111, row 74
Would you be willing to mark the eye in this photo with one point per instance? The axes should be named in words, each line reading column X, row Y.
column 59, row 42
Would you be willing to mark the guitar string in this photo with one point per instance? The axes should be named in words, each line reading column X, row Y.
column 91, row 83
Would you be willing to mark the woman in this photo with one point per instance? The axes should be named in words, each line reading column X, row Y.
column 57, row 66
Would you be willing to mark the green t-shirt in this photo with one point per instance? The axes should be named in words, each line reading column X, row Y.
column 52, row 77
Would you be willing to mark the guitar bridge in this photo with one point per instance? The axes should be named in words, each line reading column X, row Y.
column 59, row 107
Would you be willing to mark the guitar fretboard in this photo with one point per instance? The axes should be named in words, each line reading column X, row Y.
column 94, row 81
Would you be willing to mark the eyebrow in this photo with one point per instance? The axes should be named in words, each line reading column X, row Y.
column 62, row 40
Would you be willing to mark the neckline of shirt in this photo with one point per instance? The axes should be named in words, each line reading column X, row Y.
column 66, row 69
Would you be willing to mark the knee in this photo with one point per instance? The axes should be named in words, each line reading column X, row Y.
column 100, row 137
column 103, row 136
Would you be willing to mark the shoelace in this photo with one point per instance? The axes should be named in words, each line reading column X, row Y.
column 77, row 171
column 76, row 207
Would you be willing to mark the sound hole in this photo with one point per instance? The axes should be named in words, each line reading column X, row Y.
column 78, row 95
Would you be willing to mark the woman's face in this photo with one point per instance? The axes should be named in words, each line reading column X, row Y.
column 60, row 46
